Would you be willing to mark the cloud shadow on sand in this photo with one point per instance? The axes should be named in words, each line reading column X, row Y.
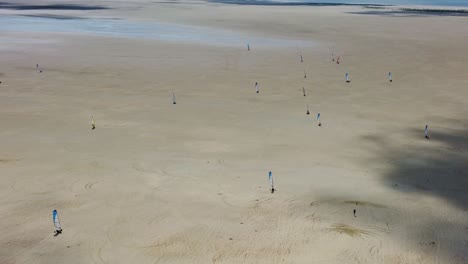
column 433, row 168
column 437, row 166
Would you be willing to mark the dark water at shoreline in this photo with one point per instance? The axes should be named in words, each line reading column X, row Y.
column 448, row 3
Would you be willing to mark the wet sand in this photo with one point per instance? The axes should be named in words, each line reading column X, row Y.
column 188, row 183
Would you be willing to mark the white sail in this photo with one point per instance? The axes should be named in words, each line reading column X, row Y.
column 56, row 221
column 390, row 78
column 173, row 98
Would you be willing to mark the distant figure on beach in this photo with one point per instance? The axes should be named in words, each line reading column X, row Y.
column 318, row 120
column 305, row 75
column 347, row 78
column 338, row 60
column 270, row 178
column 93, row 125
column 256, row 87
column 173, row 98
column 308, row 113
column 333, row 57
column 426, row 132
column 302, row 59
column 390, row 78
column 248, row 46
column 58, row 227
column 354, row 212
column 38, row 68
column 303, row 91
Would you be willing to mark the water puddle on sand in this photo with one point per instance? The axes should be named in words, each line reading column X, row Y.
column 150, row 30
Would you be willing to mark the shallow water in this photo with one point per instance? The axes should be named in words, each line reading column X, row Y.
column 122, row 28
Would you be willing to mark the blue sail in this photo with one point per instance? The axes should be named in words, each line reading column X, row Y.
column 56, row 221
column 270, row 178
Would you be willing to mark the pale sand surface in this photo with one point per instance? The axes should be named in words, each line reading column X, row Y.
column 187, row 183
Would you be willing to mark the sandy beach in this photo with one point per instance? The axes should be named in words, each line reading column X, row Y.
column 158, row 182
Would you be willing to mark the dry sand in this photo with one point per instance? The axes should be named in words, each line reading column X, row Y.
column 187, row 183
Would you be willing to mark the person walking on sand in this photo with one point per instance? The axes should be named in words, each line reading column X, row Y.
column 426, row 132
column 354, row 212
column 256, row 87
